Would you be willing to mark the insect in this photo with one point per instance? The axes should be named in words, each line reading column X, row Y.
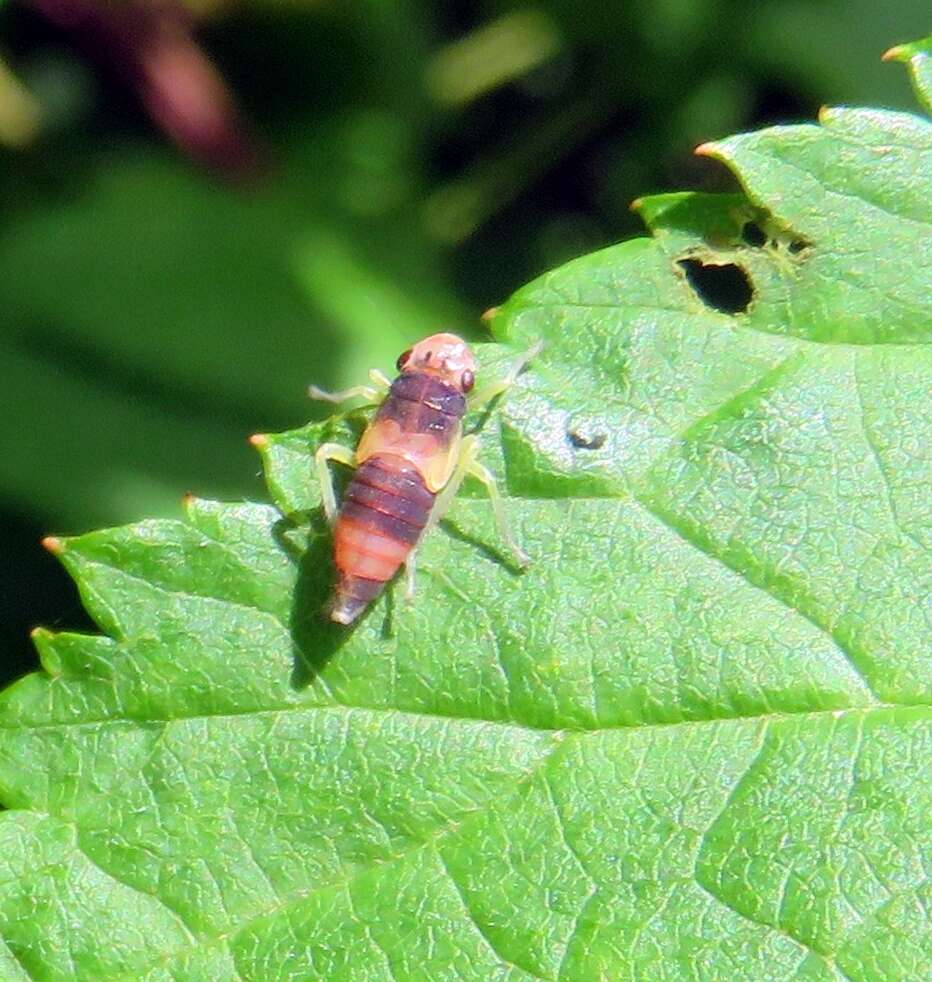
column 409, row 464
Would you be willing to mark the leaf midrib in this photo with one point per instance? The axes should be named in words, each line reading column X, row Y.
column 479, row 721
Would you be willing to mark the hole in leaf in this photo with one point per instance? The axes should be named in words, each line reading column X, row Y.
column 797, row 245
column 753, row 235
column 726, row 288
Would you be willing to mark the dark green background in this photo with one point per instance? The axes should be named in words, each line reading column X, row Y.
column 156, row 313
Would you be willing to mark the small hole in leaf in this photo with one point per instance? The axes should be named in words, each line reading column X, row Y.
column 726, row 288
column 797, row 246
column 753, row 235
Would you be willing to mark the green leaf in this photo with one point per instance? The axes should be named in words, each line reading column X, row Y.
column 918, row 56
column 693, row 740
column 158, row 337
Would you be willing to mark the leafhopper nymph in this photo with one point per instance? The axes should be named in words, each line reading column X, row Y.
column 409, row 464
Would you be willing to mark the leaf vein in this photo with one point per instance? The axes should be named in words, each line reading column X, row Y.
column 176, row 916
column 477, row 925
column 286, row 903
column 808, row 949
column 670, row 521
column 878, row 460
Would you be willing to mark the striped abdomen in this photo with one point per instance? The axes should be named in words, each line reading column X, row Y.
column 384, row 511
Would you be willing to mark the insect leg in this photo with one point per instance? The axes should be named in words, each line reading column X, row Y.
column 325, row 453
column 367, row 392
column 469, row 464
column 488, row 392
column 481, row 473
column 380, row 380
column 410, row 564
column 372, row 394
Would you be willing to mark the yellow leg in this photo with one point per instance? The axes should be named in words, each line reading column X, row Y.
column 380, row 380
column 410, row 564
column 372, row 394
column 325, row 453
column 469, row 464
column 488, row 392
column 483, row 474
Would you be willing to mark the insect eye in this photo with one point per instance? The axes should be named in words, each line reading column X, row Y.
column 467, row 380
column 403, row 359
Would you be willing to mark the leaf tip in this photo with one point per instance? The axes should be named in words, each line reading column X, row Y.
column 259, row 440
column 49, row 659
column 706, row 150
column 490, row 314
column 53, row 544
column 898, row 52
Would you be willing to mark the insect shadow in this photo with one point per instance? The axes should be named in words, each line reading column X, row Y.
column 500, row 557
column 316, row 638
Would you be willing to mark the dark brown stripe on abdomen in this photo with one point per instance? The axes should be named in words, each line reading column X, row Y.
column 384, row 511
column 395, row 478
column 387, row 502
column 388, row 497
column 379, row 523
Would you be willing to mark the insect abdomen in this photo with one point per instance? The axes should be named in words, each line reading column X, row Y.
column 385, row 508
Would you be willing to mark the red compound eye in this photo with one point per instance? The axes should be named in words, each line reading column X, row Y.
column 467, row 380
column 403, row 359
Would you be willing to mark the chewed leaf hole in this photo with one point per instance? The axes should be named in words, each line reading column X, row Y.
column 726, row 288
column 754, row 235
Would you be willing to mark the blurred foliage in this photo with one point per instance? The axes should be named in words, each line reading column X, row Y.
column 418, row 163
